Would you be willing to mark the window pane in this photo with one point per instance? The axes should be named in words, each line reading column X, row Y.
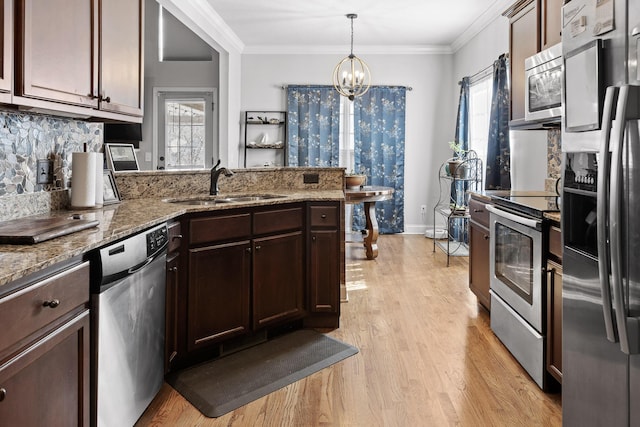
column 480, row 94
column 185, row 133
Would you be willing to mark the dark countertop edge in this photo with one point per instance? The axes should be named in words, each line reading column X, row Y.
column 11, row 273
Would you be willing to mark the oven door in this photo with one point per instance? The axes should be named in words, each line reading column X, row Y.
column 516, row 263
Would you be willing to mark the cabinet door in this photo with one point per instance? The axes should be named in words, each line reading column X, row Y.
column 121, row 56
column 218, row 293
column 479, row 279
column 554, row 320
column 6, row 56
column 56, row 51
column 171, row 318
column 524, row 42
column 324, row 274
column 48, row 383
column 551, row 23
column 278, row 279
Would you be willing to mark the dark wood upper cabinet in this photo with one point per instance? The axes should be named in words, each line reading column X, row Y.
column 121, row 56
column 551, row 30
column 534, row 25
column 81, row 57
column 6, row 56
column 54, row 64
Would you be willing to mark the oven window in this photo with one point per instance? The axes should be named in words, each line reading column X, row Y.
column 514, row 260
column 545, row 89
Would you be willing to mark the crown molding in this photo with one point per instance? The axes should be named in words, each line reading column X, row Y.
column 344, row 50
column 490, row 15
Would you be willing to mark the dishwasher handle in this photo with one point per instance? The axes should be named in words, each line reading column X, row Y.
column 146, row 262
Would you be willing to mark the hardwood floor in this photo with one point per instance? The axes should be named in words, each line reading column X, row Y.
column 427, row 357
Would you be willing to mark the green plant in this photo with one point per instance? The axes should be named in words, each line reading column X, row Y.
column 457, row 149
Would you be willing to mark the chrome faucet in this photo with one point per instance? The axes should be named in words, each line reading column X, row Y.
column 215, row 174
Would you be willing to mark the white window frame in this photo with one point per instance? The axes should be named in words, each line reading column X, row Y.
column 480, row 96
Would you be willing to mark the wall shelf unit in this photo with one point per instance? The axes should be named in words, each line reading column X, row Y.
column 265, row 138
column 456, row 177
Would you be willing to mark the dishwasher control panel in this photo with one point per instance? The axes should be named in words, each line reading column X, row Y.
column 156, row 240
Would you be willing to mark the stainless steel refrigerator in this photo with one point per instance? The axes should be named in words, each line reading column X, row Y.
column 601, row 213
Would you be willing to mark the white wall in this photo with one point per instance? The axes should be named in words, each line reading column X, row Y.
column 430, row 113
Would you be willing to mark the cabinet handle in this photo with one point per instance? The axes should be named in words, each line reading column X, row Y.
column 478, row 210
column 51, row 304
column 313, row 238
column 173, row 269
column 258, row 247
column 177, row 236
column 105, row 98
column 248, row 250
column 323, row 216
column 486, row 236
column 3, row 394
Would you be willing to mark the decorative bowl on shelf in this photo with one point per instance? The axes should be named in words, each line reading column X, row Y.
column 355, row 181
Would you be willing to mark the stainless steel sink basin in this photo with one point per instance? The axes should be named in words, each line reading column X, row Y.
column 223, row 198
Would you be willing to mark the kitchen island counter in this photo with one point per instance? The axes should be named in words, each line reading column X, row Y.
column 116, row 222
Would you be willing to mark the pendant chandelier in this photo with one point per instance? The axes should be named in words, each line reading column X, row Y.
column 351, row 77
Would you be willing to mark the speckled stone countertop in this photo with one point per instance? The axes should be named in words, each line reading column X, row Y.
column 128, row 217
column 553, row 216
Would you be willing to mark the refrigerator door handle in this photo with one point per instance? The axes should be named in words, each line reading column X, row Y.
column 627, row 109
column 610, row 100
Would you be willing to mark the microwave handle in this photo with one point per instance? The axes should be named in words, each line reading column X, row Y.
column 604, row 260
column 515, row 218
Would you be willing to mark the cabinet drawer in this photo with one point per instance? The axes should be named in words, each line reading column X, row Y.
column 175, row 237
column 203, row 230
column 478, row 212
column 324, row 216
column 555, row 242
column 23, row 313
column 277, row 220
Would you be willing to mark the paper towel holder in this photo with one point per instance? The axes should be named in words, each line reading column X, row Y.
column 121, row 157
column 110, row 192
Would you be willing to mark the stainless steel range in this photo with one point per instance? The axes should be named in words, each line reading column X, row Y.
column 517, row 255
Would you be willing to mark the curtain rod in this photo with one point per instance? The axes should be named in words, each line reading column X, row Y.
column 409, row 88
column 480, row 74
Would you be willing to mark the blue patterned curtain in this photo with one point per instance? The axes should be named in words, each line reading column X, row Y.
column 498, row 149
column 458, row 190
column 313, row 128
column 379, row 127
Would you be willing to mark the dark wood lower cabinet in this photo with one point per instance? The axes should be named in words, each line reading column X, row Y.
column 248, row 272
column 218, row 293
column 278, row 278
column 479, row 279
column 48, row 382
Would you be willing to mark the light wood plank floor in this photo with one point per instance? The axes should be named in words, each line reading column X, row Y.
column 427, row 357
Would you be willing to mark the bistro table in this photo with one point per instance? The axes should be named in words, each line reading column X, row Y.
column 369, row 195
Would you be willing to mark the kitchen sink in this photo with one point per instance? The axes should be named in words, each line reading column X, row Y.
column 223, row 198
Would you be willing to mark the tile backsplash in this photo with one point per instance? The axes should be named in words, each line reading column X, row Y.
column 27, row 138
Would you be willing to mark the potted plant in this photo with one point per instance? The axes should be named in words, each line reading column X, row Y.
column 355, row 180
column 456, row 166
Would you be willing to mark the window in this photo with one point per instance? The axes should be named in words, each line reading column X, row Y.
column 346, row 135
column 480, row 93
column 185, row 129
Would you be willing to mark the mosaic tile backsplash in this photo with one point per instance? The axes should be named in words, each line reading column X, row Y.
column 27, row 138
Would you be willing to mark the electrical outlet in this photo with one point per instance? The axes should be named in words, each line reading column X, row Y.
column 423, row 209
column 44, row 171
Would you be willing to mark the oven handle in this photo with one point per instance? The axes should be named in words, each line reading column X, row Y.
column 628, row 327
column 533, row 223
column 604, row 260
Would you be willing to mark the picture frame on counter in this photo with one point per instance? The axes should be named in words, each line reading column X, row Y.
column 121, row 157
column 110, row 192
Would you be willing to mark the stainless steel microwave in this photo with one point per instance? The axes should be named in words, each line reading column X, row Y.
column 543, row 85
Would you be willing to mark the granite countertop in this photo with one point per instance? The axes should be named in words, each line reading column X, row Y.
column 118, row 221
column 553, row 216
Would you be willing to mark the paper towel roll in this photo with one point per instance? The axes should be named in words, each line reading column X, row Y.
column 99, row 179
column 83, row 180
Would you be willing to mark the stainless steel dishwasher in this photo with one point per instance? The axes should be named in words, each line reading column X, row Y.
column 128, row 325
